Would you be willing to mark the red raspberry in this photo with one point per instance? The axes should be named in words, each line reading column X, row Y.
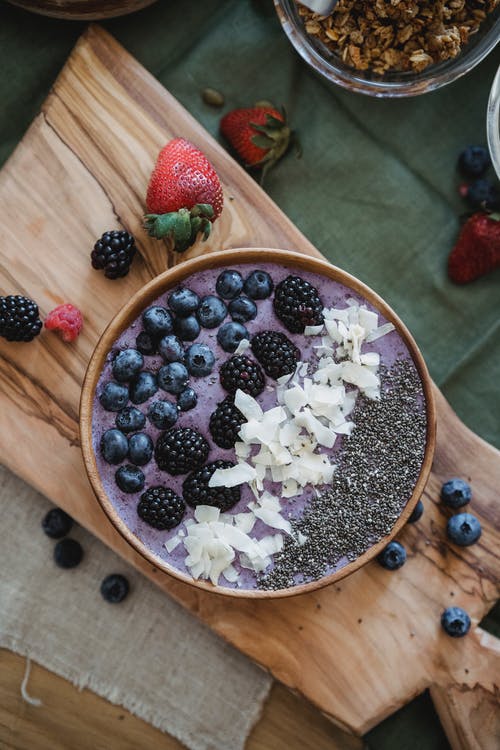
column 66, row 319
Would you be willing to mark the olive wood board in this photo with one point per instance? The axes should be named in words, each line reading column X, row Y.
column 358, row 649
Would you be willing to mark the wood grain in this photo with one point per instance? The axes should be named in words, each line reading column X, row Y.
column 359, row 649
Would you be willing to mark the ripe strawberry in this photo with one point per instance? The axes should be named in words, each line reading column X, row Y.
column 184, row 195
column 259, row 135
column 477, row 250
column 67, row 320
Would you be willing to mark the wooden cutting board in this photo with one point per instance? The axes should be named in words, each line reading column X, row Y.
column 358, row 650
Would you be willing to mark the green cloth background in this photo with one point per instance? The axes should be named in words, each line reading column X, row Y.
column 375, row 191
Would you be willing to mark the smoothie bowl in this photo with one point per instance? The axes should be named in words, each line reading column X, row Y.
column 257, row 423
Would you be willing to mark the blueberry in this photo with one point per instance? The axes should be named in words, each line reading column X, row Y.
column 114, row 588
column 127, row 364
column 187, row 329
column 163, row 414
column 158, row 321
column 393, row 556
column 455, row 622
column 171, row 349
column 145, row 343
column 230, row 334
column 140, row 449
column 473, row 161
column 455, row 493
column 229, row 284
column 187, row 399
column 417, row 512
column 242, row 309
column 114, row 446
column 130, row 419
column 114, row 396
column 129, row 478
column 211, row 311
column 143, row 387
column 173, row 377
column 68, row 553
column 200, row 360
column 258, row 285
column 183, row 302
column 483, row 194
column 463, row 529
column 57, row 523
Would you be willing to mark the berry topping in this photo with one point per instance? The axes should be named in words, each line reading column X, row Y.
column 171, row 349
column 230, row 335
column 258, row 285
column 393, row 556
column 181, row 450
column 67, row 320
column 114, row 396
column 127, row 364
column 200, row 360
column 187, row 329
column 145, row 343
column 114, row 253
column 483, row 194
column 197, row 492
column 416, row 513
column 130, row 479
column 161, row 508
column 473, row 161
column 183, row 302
column 243, row 373
column 19, row 319
column 114, row 446
column 142, row 387
column 56, row 523
column 276, row 353
column 68, row 553
column 455, row 622
column 242, row 309
column 297, row 304
column 163, row 414
column 114, row 588
column 456, row 493
column 173, row 377
column 158, row 321
column 229, row 284
column 130, row 419
column 463, row 529
column 211, row 311
column 140, row 449
column 187, row 399
column 225, row 423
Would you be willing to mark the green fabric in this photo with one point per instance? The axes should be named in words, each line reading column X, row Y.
column 375, row 190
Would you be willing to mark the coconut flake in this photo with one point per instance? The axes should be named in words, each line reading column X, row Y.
column 233, row 476
column 378, row 332
column 172, row 543
column 313, row 330
column 242, row 347
column 206, row 513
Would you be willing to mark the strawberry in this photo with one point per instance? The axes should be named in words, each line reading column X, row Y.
column 477, row 250
column 184, row 195
column 259, row 135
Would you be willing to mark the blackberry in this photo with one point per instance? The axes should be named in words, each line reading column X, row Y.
column 275, row 352
column 197, row 492
column 161, row 508
column 180, row 450
column 225, row 423
column 114, row 253
column 19, row 319
column 243, row 373
column 297, row 304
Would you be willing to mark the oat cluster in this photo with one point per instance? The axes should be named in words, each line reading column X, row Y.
column 397, row 35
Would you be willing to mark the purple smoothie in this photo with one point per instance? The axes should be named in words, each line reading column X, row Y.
column 391, row 348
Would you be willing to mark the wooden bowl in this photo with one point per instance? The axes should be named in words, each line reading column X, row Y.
column 176, row 276
column 82, row 10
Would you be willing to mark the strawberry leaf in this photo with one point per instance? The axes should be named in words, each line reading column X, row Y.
column 262, row 141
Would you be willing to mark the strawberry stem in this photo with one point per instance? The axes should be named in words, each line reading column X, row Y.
column 182, row 227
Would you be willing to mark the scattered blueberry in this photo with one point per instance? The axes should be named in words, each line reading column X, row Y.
column 187, row 329
column 114, row 588
column 114, row 446
column 229, row 284
column 171, row 349
column 127, row 364
column 463, row 529
column 163, row 414
column 473, row 161
column 158, row 321
column 417, row 512
column 57, row 523
column 145, row 343
column 173, row 377
column 200, row 360
column 483, row 194
column 114, row 396
column 130, row 478
column 140, row 449
column 143, row 387
column 455, row 622
column 242, row 309
column 183, row 302
column 187, row 399
column 230, row 334
column 68, row 553
column 258, row 285
column 211, row 311
column 456, row 493
column 393, row 556
column 130, row 419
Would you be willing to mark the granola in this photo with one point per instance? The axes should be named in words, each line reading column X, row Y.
column 397, row 35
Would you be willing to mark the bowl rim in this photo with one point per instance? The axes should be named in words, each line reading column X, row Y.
column 171, row 278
